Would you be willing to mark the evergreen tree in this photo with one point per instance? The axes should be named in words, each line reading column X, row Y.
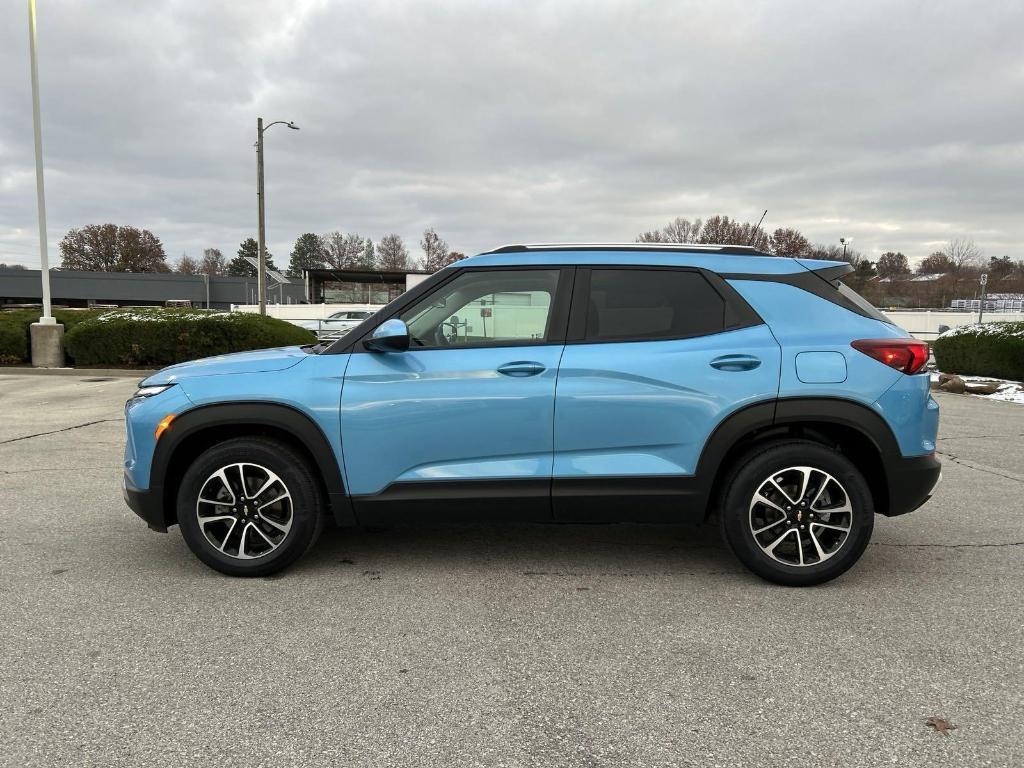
column 239, row 267
column 308, row 253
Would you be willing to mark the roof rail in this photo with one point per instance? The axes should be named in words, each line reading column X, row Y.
column 729, row 250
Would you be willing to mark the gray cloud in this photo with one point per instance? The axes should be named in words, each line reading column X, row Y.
column 898, row 124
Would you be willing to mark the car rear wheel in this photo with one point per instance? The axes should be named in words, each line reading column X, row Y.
column 249, row 507
column 797, row 513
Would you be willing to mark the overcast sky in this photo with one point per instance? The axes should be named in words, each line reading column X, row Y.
column 899, row 124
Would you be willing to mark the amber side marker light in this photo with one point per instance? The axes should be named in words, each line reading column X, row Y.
column 907, row 355
column 165, row 422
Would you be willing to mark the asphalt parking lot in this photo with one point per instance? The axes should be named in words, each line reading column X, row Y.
column 497, row 646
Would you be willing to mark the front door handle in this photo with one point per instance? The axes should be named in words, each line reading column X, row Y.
column 521, row 368
column 735, row 363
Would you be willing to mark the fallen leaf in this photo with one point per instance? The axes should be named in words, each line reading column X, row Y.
column 940, row 724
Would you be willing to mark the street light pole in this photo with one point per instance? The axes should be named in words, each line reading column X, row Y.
column 261, row 276
column 845, row 241
column 44, row 259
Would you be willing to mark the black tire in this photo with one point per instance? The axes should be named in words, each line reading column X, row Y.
column 305, row 506
column 753, row 471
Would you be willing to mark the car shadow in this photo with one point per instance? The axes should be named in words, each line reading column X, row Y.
column 529, row 549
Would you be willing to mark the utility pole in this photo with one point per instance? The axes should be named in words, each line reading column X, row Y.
column 261, row 276
column 47, row 336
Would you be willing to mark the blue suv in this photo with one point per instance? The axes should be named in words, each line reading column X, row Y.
column 558, row 383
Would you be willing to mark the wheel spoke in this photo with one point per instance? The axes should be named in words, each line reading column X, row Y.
column 770, row 525
column 204, row 521
column 800, row 547
column 261, row 507
column 265, row 537
column 817, row 545
column 771, row 547
column 281, row 528
column 241, row 541
column 227, row 535
column 836, row 510
column 215, row 503
column 270, row 481
column 779, row 488
column 806, row 472
column 760, row 497
column 832, row 527
column 223, row 476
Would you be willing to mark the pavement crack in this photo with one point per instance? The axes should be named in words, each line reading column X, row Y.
column 979, row 437
column 948, row 546
column 56, row 431
column 980, row 468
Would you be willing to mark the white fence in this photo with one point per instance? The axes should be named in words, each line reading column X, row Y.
column 924, row 323
column 298, row 312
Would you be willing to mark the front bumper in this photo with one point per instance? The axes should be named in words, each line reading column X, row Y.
column 912, row 481
column 149, row 505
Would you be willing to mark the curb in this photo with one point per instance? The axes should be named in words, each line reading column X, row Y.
column 121, row 372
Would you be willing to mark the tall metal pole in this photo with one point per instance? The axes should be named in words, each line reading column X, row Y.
column 984, row 288
column 261, row 277
column 44, row 259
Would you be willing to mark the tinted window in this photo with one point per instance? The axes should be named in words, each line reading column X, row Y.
column 866, row 307
column 630, row 304
column 480, row 308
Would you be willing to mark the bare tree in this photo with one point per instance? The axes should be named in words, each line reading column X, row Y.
column 789, row 242
column 187, row 266
column 962, row 252
column 343, row 250
column 213, row 262
column 652, row 236
column 435, row 251
column 681, row 230
column 391, row 253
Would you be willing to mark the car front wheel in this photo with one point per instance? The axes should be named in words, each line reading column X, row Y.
column 797, row 513
column 249, row 507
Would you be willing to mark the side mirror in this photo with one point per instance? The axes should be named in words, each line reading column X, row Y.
column 390, row 336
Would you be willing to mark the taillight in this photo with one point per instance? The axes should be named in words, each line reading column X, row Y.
column 906, row 355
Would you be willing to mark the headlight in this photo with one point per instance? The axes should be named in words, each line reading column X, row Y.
column 142, row 392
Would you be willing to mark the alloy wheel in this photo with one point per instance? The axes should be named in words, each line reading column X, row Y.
column 800, row 516
column 244, row 510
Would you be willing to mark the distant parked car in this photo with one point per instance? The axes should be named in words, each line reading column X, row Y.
column 338, row 323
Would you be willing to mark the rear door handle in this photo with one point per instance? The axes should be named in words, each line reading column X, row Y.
column 735, row 363
column 521, row 368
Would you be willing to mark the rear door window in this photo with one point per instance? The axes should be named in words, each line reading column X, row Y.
column 640, row 304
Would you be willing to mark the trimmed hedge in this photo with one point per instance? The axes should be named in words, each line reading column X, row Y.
column 157, row 337
column 986, row 349
column 15, row 339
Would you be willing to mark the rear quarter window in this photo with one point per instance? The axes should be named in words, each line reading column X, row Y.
column 865, row 306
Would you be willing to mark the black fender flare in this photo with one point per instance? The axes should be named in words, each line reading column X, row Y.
column 276, row 416
column 766, row 415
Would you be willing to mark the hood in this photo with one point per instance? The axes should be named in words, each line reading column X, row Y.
column 256, row 361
